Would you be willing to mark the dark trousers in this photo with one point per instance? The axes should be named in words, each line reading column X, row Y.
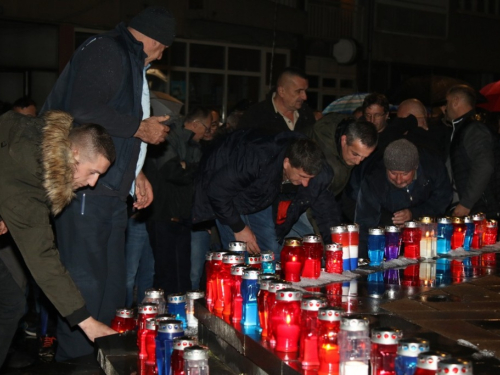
column 171, row 243
column 12, row 304
column 90, row 236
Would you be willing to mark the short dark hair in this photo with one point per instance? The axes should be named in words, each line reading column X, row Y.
column 466, row 92
column 24, row 102
column 363, row 130
column 376, row 98
column 197, row 113
column 305, row 154
column 93, row 140
column 290, row 72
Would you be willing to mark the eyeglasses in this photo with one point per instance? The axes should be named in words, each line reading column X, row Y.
column 207, row 128
column 374, row 116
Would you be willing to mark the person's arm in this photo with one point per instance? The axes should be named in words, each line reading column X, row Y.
column 143, row 192
column 3, row 227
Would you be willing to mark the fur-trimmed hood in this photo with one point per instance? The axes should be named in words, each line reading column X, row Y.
column 58, row 162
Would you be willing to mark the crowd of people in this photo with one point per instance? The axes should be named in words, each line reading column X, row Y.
column 103, row 200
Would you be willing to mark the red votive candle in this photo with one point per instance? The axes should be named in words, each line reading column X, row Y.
column 285, row 320
column 309, row 331
column 273, row 287
column 313, row 252
column 334, row 258
column 124, row 320
column 458, row 234
column 411, row 239
column 237, row 300
column 328, row 329
column 292, row 259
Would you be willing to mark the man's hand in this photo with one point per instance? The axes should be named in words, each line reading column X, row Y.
column 94, row 329
column 143, row 191
column 460, row 211
column 400, row 217
column 246, row 235
column 3, row 227
column 152, row 130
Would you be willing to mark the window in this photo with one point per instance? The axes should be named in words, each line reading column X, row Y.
column 244, row 59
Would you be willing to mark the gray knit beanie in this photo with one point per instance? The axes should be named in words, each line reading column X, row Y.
column 401, row 155
column 157, row 23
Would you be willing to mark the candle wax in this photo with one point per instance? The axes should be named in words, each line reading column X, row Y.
column 292, row 271
column 287, row 337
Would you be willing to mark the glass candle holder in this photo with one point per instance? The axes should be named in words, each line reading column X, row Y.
column 392, row 242
column 150, row 342
column 177, row 360
column 222, row 307
column 196, row 360
column 157, row 296
column 479, row 221
column 411, row 239
column 308, row 354
column 273, row 287
column 376, row 246
column 333, row 258
column 427, row 363
column 341, row 236
column 428, row 242
column 165, row 336
column 285, row 320
column 192, row 296
column 209, row 286
column 458, row 234
column 408, row 351
column 249, row 290
column 292, row 259
column 267, row 262
column 262, row 307
column 384, row 350
column 427, row 274
column 313, row 253
column 353, row 236
column 376, row 286
column 443, row 271
column 144, row 311
column 253, row 261
column 177, row 306
column 455, row 366
column 124, row 320
column 350, row 296
column 444, row 232
column 469, row 232
column 354, row 345
column 328, row 329
column 490, row 233
column 215, row 268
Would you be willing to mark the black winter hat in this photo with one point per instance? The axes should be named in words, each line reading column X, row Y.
column 157, row 23
column 401, row 155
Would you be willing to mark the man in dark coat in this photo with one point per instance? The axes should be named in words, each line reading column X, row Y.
column 42, row 162
column 408, row 185
column 241, row 178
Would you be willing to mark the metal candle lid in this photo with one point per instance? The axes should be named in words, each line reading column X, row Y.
column 238, row 246
column 170, row 326
column 427, row 220
column 184, row 342
column 233, row 258
column 288, row 295
column 238, row 270
column 275, row 285
column 455, row 366
column 386, row 335
column 430, row 360
column 293, row 241
column 266, row 277
column 330, row 314
column 264, row 284
column 208, row 256
column 468, row 220
column 176, row 298
column 251, row 274
column 266, row 256
column 479, row 216
column 412, row 347
column 311, row 238
column 392, row 229
column 333, row 247
column 313, row 303
column 354, row 323
column 412, row 224
column 196, row 353
column 151, row 324
column 376, row 231
column 147, row 308
column 164, row 317
column 125, row 313
column 217, row 255
column 352, row 227
column 154, row 293
column 444, row 220
column 491, row 224
column 278, row 266
column 253, row 259
column 338, row 229
column 195, row 294
column 457, row 220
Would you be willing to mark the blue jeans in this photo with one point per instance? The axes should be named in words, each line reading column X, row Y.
column 139, row 260
column 200, row 245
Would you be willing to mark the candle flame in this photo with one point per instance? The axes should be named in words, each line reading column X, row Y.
column 288, row 319
column 427, row 234
column 294, row 259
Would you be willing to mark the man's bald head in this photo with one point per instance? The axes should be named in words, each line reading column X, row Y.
column 416, row 108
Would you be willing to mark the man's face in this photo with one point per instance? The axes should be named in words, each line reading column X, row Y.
column 296, row 176
column 201, row 128
column 354, row 153
column 401, row 179
column 450, row 111
column 404, row 112
column 293, row 92
column 27, row 111
column 214, row 125
column 376, row 115
column 154, row 50
column 87, row 172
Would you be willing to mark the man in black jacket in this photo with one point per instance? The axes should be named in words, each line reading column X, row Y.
column 241, row 178
column 104, row 83
column 408, row 184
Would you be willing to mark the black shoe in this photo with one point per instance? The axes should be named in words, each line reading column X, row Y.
column 47, row 348
column 20, row 359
